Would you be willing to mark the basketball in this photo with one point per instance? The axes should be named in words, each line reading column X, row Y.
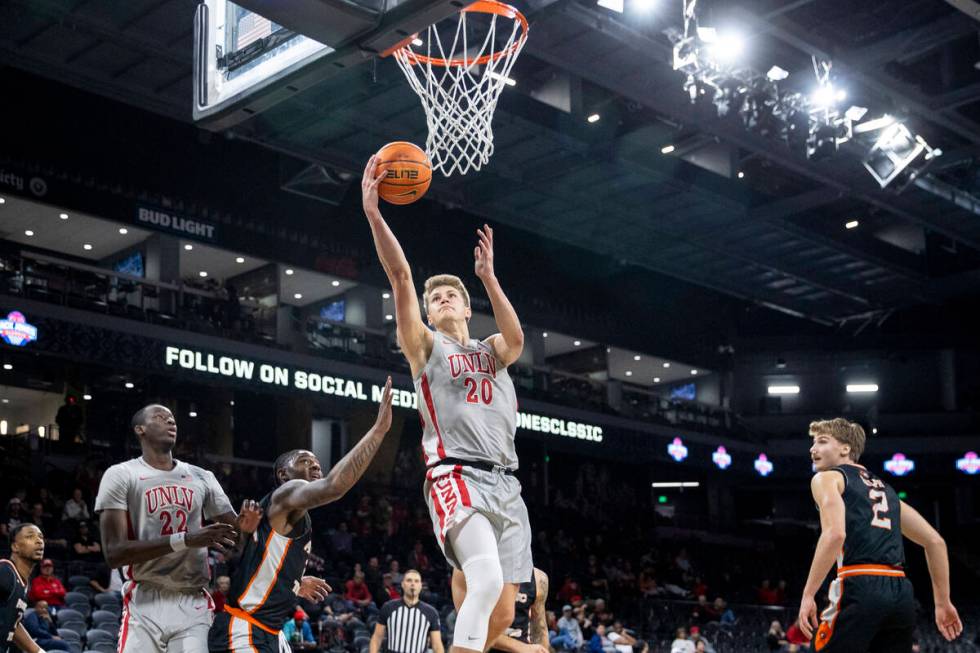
column 409, row 172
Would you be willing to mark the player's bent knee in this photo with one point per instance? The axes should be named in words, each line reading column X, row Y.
column 484, row 581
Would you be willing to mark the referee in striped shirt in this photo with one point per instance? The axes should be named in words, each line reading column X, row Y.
column 411, row 625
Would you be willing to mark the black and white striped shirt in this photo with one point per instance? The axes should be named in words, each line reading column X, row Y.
column 408, row 627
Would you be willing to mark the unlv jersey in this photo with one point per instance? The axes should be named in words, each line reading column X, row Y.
column 268, row 575
column 467, row 403
column 159, row 503
column 873, row 520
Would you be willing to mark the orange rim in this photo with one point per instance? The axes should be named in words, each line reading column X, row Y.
column 478, row 7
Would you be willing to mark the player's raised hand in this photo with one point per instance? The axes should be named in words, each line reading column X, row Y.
column 220, row 536
column 369, row 184
column 808, row 617
column 383, row 423
column 948, row 621
column 483, row 253
column 313, row 589
column 249, row 516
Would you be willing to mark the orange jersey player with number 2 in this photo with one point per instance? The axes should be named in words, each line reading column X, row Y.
column 862, row 523
column 468, row 407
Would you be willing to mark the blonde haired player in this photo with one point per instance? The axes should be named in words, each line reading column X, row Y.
column 862, row 523
column 469, row 411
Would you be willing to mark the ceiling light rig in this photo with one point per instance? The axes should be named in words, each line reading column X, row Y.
column 814, row 124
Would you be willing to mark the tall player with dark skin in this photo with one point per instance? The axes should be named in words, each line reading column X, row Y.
column 157, row 436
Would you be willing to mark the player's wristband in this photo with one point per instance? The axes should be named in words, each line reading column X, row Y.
column 178, row 541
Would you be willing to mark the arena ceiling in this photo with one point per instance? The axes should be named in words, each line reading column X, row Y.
column 774, row 236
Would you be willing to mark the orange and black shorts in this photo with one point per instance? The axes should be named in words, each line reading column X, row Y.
column 231, row 634
column 871, row 611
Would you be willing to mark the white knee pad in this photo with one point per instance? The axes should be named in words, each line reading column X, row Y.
column 484, row 582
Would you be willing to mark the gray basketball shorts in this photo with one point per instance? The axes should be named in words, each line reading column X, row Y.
column 453, row 492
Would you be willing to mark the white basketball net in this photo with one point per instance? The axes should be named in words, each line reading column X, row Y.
column 459, row 98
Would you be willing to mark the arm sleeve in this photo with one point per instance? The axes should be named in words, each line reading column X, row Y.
column 217, row 502
column 113, row 490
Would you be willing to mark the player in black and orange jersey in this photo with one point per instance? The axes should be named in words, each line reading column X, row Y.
column 862, row 523
column 269, row 575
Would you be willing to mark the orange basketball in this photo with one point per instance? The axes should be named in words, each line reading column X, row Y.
column 409, row 172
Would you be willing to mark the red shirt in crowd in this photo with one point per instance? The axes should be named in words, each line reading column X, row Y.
column 219, row 601
column 795, row 636
column 357, row 591
column 47, row 588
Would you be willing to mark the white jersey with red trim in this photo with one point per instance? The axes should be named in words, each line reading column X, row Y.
column 468, row 404
column 160, row 503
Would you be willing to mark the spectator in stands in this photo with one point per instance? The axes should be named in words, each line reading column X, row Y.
column 391, row 591
column 600, row 643
column 40, row 626
column 395, row 571
column 621, row 638
column 70, row 419
column 222, row 585
column 726, row 616
column 594, row 579
column 101, row 580
column 419, row 559
column 569, row 591
column 298, row 632
column 775, row 638
column 797, row 640
column 47, row 588
column 647, row 583
column 569, row 636
column 12, row 517
column 44, row 521
column 358, row 595
column 85, row 547
column 75, row 508
column 52, row 506
column 374, row 581
column 766, row 595
column 700, row 642
column 342, row 541
column 681, row 643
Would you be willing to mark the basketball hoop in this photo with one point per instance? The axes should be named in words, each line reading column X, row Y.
column 459, row 85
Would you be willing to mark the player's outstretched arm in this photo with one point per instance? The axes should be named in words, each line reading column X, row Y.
column 826, row 488
column 120, row 550
column 916, row 528
column 413, row 336
column 509, row 343
column 300, row 495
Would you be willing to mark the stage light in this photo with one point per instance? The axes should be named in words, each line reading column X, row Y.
column 667, row 149
column 202, row 274
column 386, row 295
column 577, row 343
column 899, row 465
column 389, row 317
column 188, row 247
column 741, row 175
column 721, row 458
column 727, row 47
column 289, row 272
column 239, row 259
column 666, row 365
column 544, row 334
column 826, row 96
column 613, row 5
column 629, row 372
column 123, row 230
column 894, row 150
column 673, row 484
column 874, row 124
column 694, row 372
column 636, row 357
column 593, row 118
column 851, row 224
column 763, row 465
column 784, row 389
column 656, row 379
column 677, row 450
column 777, row 74
column 969, row 463
column 87, row 247
column 855, row 113
column 862, row 387
column 87, row 397
column 28, row 233
column 63, row 216
column 417, row 42
column 8, row 366
column 129, row 385
column 192, row 413
column 335, row 283
column 643, row 5
column 2, row 200
column 3, row 426
column 297, row 295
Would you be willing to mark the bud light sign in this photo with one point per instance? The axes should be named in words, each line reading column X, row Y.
column 970, row 463
column 15, row 330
